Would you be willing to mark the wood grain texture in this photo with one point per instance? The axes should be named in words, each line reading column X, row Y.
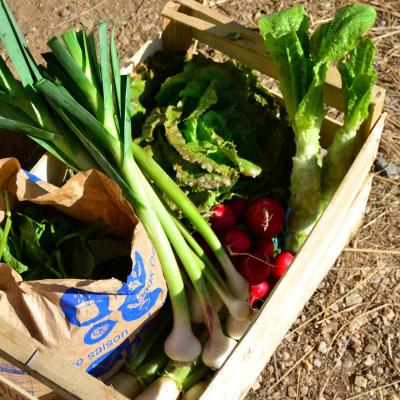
column 10, row 391
column 51, row 368
column 177, row 37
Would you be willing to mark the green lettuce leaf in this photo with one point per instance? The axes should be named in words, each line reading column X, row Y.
column 358, row 78
column 303, row 65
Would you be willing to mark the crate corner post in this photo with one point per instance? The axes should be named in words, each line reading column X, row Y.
column 175, row 36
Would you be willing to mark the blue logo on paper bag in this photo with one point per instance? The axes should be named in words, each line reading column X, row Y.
column 139, row 299
column 104, row 363
column 83, row 308
column 99, row 331
column 32, row 177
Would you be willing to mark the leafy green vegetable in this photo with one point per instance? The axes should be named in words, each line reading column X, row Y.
column 358, row 78
column 44, row 243
column 209, row 130
column 303, row 64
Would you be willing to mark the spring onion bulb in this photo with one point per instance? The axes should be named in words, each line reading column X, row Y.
column 234, row 328
column 182, row 345
column 195, row 392
column 164, row 388
column 125, row 383
column 218, row 346
column 175, row 379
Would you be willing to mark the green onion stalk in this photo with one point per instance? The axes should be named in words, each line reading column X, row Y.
column 218, row 346
column 167, row 185
column 7, row 225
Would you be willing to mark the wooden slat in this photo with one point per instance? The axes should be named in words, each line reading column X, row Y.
column 50, row 368
column 177, row 37
column 312, row 263
column 10, row 391
column 212, row 28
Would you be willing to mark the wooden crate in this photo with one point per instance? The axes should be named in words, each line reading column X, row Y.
column 186, row 21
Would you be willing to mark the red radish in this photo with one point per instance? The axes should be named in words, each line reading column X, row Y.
column 282, row 262
column 266, row 247
column 265, row 217
column 237, row 241
column 258, row 291
column 239, row 206
column 254, row 269
column 222, row 218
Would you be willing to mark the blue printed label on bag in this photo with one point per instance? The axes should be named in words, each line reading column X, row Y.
column 99, row 331
column 139, row 298
column 104, row 320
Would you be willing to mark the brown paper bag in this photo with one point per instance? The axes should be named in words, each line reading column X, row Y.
column 91, row 323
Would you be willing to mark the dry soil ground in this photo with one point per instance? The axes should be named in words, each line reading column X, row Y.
column 346, row 342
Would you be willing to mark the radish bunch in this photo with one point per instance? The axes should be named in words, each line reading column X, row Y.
column 249, row 233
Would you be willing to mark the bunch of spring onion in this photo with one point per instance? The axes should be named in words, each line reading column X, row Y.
column 78, row 109
column 149, row 374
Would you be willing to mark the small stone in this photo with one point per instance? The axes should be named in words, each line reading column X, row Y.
column 369, row 361
column 323, row 347
column 317, row 362
column 356, row 345
column 389, row 314
column 285, row 356
column 397, row 274
column 360, row 381
column 371, row 348
column 377, row 279
column 342, row 289
column 353, row 299
column 328, row 328
column 307, row 348
column 303, row 390
column 334, row 307
column 291, row 392
column 379, row 370
column 370, row 377
column 307, row 366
